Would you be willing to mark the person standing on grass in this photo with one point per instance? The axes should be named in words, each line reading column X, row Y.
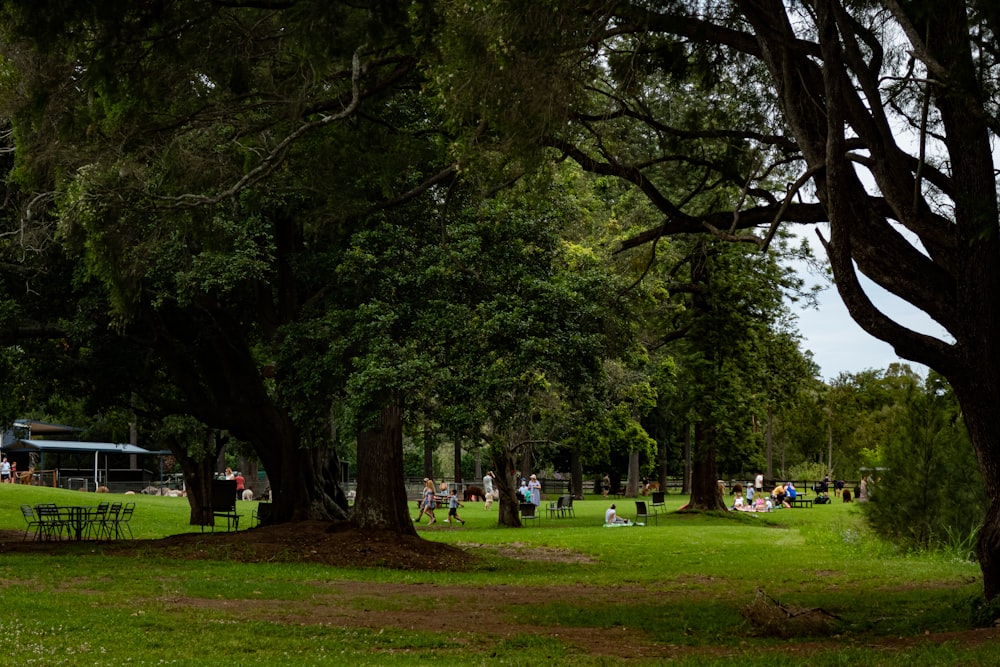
column 605, row 485
column 488, row 490
column 534, row 491
column 427, row 502
column 240, row 485
column 758, row 484
column 5, row 471
column 453, row 506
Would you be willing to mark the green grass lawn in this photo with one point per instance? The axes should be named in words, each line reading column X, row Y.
column 688, row 590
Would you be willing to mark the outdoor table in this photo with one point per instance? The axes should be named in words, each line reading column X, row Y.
column 78, row 518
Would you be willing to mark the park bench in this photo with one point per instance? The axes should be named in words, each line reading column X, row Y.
column 800, row 499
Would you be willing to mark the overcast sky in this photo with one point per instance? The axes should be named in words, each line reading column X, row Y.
column 839, row 345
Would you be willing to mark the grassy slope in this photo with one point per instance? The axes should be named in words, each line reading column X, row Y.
column 695, row 573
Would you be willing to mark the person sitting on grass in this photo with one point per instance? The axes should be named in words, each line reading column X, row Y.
column 739, row 503
column 611, row 517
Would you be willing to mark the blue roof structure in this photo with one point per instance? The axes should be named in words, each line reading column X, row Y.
column 77, row 446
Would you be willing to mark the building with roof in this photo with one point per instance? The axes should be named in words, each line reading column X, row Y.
column 76, row 464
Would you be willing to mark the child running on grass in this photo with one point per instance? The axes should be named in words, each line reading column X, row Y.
column 453, row 506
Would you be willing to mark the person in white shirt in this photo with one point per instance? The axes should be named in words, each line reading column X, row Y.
column 611, row 516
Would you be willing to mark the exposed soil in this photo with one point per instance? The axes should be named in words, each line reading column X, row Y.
column 338, row 544
column 429, row 607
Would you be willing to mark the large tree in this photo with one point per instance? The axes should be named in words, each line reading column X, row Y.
column 203, row 159
column 877, row 118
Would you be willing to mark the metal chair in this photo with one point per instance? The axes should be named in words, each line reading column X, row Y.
column 567, row 506
column 95, row 521
column 107, row 528
column 34, row 523
column 659, row 501
column 556, row 508
column 121, row 523
column 642, row 515
column 51, row 522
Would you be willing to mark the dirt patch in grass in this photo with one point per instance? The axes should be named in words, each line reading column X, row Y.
column 337, row 544
column 522, row 551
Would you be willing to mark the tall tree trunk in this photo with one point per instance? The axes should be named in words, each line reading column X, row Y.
column 503, row 464
column 381, row 497
column 198, row 476
column 705, row 492
column 458, row 462
column 429, row 446
column 527, row 461
column 223, row 385
column 304, row 476
column 632, row 490
column 829, row 449
column 661, row 464
column 688, row 450
column 979, row 410
column 576, row 474
column 769, row 439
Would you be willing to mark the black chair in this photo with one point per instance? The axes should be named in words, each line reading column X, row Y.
column 223, row 504
column 107, row 527
column 659, row 501
column 122, row 521
column 642, row 515
column 51, row 522
column 95, row 524
column 262, row 515
column 556, row 508
column 528, row 512
column 34, row 523
column 567, row 506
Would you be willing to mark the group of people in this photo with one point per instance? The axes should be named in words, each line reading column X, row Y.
column 241, row 482
column 429, row 500
column 757, row 500
column 530, row 491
